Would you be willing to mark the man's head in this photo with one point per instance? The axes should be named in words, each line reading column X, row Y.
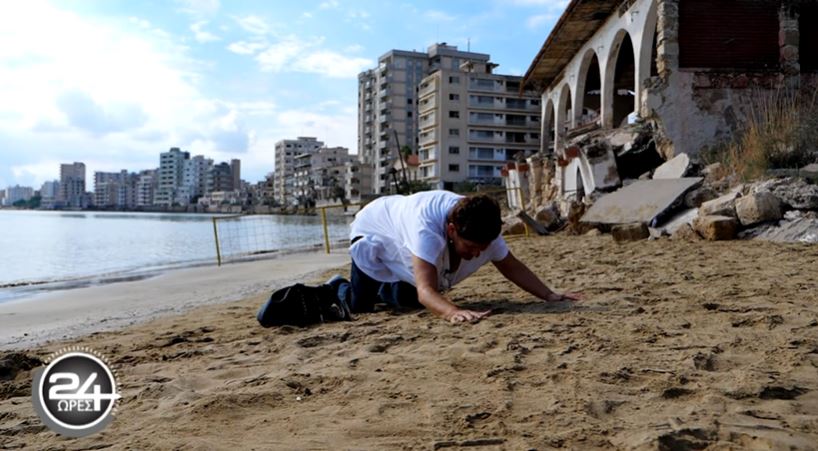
column 473, row 224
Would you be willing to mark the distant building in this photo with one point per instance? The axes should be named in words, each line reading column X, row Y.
column 72, row 186
column 285, row 152
column 171, row 173
column 220, row 178
column 17, row 193
column 2, row 197
column 388, row 103
column 357, row 180
column 473, row 121
column 146, row 185
column 320, row 174
column 195, row 172
column 115, row 189
column 235, row 170
column 49, row 193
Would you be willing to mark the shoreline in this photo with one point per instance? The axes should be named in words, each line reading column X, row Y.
column 62, row 313
column 20, row 290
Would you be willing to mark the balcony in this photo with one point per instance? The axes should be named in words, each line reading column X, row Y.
column 428, row 89
column 484, row 85
column 428, row 137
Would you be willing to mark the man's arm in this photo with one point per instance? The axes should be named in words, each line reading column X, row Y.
column 517, row 272
column 430, row 297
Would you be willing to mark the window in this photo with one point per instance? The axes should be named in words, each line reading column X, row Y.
column 454, row 80
column 454, row 150
column 535, row 102
column 408, row 114
column 454, row 132
column 408, row 101
column 454, row 114
column 454, row 96
column 454, row 168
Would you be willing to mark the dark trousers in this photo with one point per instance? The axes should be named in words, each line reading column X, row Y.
column 366, row 292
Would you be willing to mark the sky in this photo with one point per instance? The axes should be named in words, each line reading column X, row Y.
column 114, row 83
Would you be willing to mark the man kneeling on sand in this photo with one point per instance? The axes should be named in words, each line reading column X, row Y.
column 408, row 250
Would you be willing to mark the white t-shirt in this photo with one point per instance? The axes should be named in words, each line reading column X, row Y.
column 394, row 228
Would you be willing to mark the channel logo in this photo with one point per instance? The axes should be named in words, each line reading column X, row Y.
column 75, row 394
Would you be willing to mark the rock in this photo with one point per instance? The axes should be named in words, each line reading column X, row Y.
column 548, row 215
column 696, row 197
column 513, row 226
column 795, row 193
column 712, row 172
column 758, row 207
column 630, row 232
column 685, row 233
column 811, row 168
column 721, row 206
column 715, row 227
column 675, row 168
column 593, row 232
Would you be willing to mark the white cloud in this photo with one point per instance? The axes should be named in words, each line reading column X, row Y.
column 199, row 8
column 354, row 48
column 306, row 15
column 102, row 91
column 332, row 64
column 292, row 54
column 540, row 20
column 246, row 48
column 329, row 4
column 200, row 34
column 438, row 16
column 254, row 24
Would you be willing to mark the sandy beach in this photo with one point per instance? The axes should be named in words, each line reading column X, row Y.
column 677, row 345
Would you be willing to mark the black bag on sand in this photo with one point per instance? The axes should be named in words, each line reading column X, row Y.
column 302, row 305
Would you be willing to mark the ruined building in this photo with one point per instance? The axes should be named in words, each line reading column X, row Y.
column 688, row 69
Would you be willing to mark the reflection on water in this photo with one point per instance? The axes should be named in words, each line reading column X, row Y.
column 47, row 246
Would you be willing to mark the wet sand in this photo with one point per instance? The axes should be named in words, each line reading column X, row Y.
column 676, row 346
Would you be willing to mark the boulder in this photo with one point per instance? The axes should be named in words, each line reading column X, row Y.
column 548, row 215
column 513, row 226
column 758, row 207
column 721, row 206
column 685, row 233
column 796, row 193
column 674, row 168
column 716, row 227
column 593, row 232
column 696, row 197
column 630, row 232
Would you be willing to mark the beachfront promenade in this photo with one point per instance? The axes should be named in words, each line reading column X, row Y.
column 68, row 313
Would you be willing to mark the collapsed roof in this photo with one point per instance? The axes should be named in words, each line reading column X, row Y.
column 581, row 19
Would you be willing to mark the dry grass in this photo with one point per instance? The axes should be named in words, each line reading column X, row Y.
column 780, row 131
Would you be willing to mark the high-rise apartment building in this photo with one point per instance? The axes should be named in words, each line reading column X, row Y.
column 72, row 186
column 146, row 185
column 171, row 173
column 387, row 103
column 235, row 170
column 220, row 178
column 472, row 122
column 115, row 189
column 285, row 152
column 48, row 193
column 321, row 174
column 17, row 193
column 194, row 179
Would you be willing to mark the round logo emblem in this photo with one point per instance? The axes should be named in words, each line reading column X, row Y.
column 74, row 395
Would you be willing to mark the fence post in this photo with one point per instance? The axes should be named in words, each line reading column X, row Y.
column 216, row 238
column 326, row 232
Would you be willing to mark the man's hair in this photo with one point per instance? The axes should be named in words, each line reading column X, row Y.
column 477, row 218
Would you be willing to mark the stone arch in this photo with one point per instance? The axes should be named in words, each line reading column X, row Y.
column 647, row 66
column 564, row 116
column 588, row 89
column 619, row 85
column 548, row 125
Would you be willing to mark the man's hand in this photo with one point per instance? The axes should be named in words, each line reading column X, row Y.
column 557, row 297
column 461, row 316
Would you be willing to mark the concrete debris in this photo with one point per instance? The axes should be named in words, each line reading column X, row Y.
column 721, row 206
column 513, row 226
column 794, row 193
column 696, row 197
column 716, row 228
column 593, row 232
column 548, row 215
column 796, row 227
column 758, row 207
column 532, row 224
column 685, row 233
column 675, row 168
column 630, row 232
column 642, row 201
column 677, row 221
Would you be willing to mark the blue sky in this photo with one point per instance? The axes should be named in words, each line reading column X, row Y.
column 114, row 83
